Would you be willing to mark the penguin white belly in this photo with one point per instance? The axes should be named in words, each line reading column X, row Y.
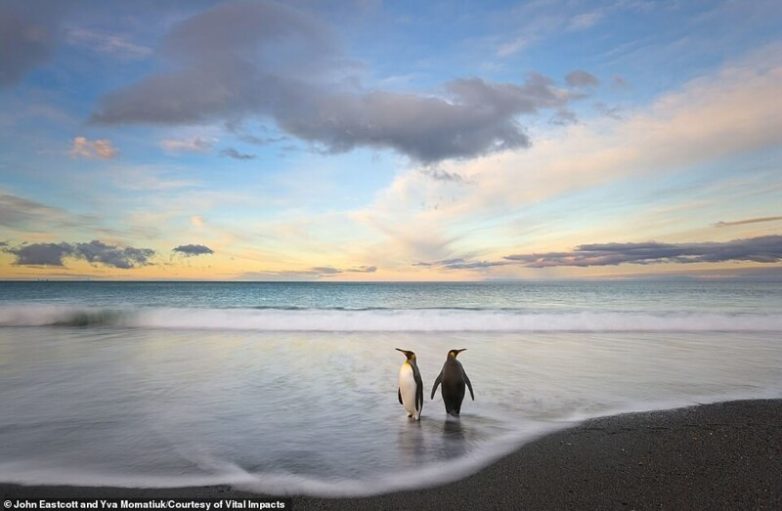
column 407, row 388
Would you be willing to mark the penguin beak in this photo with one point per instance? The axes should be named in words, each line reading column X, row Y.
column 459, row 351
column 406, row 353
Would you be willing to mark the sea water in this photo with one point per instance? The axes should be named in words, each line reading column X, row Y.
column 292, row 387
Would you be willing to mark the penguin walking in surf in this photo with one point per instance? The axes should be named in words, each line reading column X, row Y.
column 453, row 378
column 411, row 387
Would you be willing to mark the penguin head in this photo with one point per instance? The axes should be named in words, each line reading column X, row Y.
column 409, row 354
column 455, row 353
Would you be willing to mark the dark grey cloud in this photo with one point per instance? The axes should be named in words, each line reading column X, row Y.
column 27, row 37
column 193, row 250
column 95, row 252
column 270, row 61
column 748, row 221
column 580, row 78
column 41, row 254
column 764, row 249
column 230, row 152
column 119, row 257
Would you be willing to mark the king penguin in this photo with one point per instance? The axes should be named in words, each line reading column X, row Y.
column 411, row 388
column 453, row 379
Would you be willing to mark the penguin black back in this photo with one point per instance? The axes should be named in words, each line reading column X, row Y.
column 453, row 379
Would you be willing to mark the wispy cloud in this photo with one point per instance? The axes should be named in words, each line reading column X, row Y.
column 21, row 213
column 191, row 145
column 313, row 273
column 460, row 263
column 514, row 46
column 581, row 78
column 111, row 44
column 230, row 152
column 748, row 221
column 101, row 148
column 95, row 252
column 585, row 20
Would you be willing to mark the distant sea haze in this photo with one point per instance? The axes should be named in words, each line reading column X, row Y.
column 291, row 387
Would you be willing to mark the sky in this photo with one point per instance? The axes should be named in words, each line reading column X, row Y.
column 380, row 141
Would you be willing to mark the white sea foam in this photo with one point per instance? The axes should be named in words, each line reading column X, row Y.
column 387, row 320
column 32, row 472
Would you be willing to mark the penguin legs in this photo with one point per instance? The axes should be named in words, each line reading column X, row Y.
column 453, row 395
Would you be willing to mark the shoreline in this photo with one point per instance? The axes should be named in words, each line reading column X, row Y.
column 721, row 455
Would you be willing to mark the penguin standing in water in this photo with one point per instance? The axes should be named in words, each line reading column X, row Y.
column 411, row 388
column 453, row 379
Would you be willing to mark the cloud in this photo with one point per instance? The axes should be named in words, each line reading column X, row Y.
column 119, row 257
column 564, row 117
column 41, row 254
column 269, row 60
column 764, row 249
column 192, row 145
column 580, row 78
column 230, row 152
column 514, row 46
column 193, row 250
column 109, row 44
column 324, row 270
column 314, row 273
column 362, row 269
column 460, row 263
column 443, row 175
column 95, row 252
column 618, row 82
column 748, row 221
column 101, row 148
column 28, row 33
column 197, row 221
column 25, row 214
column 586, row 20
column 614, row 112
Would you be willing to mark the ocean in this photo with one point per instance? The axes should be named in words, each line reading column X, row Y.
column 292, row 387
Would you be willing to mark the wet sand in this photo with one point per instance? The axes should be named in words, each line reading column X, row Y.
column 719, row 456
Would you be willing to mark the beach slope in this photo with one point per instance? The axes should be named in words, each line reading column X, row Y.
column 717, row 456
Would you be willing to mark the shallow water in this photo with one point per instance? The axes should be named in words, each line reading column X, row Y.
column 287, row 401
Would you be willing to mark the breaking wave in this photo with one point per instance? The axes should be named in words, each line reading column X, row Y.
column 385, row 320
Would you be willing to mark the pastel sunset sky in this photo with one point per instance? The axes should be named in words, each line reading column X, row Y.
column 371, row 140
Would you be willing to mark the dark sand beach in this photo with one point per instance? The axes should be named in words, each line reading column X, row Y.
column 718, row 456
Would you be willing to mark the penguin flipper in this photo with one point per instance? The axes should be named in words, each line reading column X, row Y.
column 437, row 384
column 419, row 390
column 399, row 395
column 419, row 397
column 469, row 385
